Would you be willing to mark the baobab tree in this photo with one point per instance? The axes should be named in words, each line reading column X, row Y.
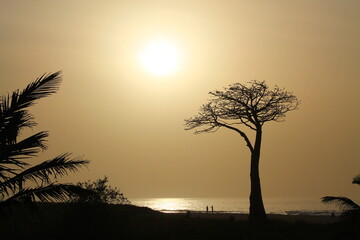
column 250, row 105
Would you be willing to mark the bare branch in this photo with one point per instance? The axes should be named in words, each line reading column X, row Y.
column 250, row 104
column 242, row 134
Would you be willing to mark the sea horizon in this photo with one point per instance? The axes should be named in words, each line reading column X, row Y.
column 239, row 205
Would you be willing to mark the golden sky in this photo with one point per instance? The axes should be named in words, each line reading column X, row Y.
column 129, row 122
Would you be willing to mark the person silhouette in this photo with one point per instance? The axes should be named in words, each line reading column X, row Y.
column 212, row 208
column 207, row 209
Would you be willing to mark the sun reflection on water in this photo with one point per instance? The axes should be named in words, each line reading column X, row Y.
column 173, row 204
column 170, row 204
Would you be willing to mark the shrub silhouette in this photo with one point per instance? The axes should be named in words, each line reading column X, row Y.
column 100, row 193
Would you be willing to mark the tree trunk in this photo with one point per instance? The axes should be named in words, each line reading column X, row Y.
column 257, row 210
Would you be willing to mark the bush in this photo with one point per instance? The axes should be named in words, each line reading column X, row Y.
column 100, row 192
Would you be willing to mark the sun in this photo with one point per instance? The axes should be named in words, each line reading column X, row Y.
column 160, row 58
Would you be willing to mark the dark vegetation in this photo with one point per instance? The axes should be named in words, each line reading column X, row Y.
column 350, row 208
column 250, row 105
column 21, row 182
column 100, row 193
column 88, row 221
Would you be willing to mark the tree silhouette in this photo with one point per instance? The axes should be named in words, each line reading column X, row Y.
column 251, row 105
column 349, row 207
column 101, row 193
column 16, row 173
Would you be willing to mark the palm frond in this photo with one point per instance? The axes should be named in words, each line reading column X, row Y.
column 356, row 179
column 49, row 193
column 342, row 202
column 13, row 154
column 11, row 125
column 13, row 117
column 4, row 173
column 43, row 172
column 43, row 86
column 26, row 148
column 59, row 166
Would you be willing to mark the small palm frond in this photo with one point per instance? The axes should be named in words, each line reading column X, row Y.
column 356, row 180
column 13, row 117
column 43, row 172
column 342, row 202
column 50, row 193
column 13, row 154
column 11, row 125
column 26, row 148
column 5, row 171
column 41, row 87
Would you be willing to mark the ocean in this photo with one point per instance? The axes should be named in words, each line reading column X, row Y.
column 290, row 206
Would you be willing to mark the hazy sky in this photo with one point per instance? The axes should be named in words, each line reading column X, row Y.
column 129, row 122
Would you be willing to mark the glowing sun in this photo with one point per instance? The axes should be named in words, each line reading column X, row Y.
column 160, row 58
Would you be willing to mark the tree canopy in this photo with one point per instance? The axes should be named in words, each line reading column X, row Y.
column 250, row 105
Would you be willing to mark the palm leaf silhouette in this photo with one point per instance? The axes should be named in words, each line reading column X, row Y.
column 356, row 180
column 349, row 207
column 49, row 193
column 342, row 202
column 13, row 117
column 43, row 172
column 15, row 170
column 29, row 147
column 42, row 87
